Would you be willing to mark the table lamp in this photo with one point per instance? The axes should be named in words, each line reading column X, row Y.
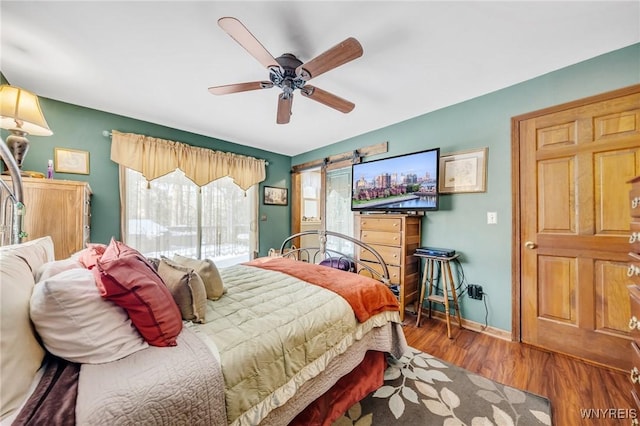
column 20, row 113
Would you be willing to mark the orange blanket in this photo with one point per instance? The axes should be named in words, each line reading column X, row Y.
column 366, row 296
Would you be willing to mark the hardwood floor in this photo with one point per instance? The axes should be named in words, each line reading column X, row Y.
column 571, row 385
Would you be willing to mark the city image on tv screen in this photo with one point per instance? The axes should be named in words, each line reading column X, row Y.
column 397, row 184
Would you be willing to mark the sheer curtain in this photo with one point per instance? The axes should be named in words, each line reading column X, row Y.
column 338, row 215
column 173, row 215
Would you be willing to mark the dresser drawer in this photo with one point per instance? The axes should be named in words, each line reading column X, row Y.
column 634, row 201
column 633, row 271
column 634, row 321
column 634, row 374
column 634, row 236
column 381, row 237
column 394, row 271
column 387, row 224
column 391, row 255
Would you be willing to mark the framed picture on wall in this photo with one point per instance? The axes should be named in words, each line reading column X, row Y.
column 464, row 171
column 71, row 161
column 276, row 196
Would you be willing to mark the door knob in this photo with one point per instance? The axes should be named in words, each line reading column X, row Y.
column 530, row 245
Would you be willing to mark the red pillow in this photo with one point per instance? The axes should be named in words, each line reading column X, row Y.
column 89, row 256
column 125, row 277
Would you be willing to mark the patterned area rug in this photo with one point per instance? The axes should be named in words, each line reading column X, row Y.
column 420, row 389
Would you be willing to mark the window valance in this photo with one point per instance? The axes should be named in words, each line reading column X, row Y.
column 155, row 157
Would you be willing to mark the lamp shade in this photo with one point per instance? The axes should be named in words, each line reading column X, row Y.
column 20, row 109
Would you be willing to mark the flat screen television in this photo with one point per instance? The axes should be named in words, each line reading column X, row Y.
column 404, row 183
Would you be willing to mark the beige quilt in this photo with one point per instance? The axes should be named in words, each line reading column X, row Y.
column 270, row 346
column 273, row 333
column 155, row 386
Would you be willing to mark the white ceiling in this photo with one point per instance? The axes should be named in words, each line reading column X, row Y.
column 154, row 60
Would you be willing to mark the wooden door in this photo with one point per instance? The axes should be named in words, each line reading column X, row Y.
column 574, row 164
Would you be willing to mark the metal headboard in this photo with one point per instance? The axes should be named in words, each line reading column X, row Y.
column 315, row 254
column 11, row 199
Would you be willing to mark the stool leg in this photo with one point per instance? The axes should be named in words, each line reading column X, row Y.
column 455, row 295
column 422, row 292
column 445, row 291
column 431, row 263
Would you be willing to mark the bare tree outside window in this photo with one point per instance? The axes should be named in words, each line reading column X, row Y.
column 173, row 215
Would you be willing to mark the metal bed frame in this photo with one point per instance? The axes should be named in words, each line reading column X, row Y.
column 12, row 208
column 319, row 253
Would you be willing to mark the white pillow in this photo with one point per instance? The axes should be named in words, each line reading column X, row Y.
column 52, row 268
column 20, row 351
column 77, row 324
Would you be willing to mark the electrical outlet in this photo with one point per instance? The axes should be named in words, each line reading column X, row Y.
column 475, row 291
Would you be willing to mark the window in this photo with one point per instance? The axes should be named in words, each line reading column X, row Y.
column 311, row 195
column 338, row 215
column 173, row 215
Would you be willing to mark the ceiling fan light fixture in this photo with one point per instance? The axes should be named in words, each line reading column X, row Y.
column 304, row 74
column 288, row 72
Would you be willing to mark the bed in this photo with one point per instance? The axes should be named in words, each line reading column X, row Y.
column 288, row 340
column 110, row 337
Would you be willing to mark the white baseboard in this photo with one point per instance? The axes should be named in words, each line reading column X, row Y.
column 471, row 325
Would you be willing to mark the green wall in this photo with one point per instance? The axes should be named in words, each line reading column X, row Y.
column 82, row 128
column 461, row 222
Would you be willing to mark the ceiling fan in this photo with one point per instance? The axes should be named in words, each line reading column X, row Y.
column 288, row 72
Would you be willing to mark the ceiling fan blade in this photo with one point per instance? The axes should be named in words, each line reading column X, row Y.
column 327, row 98
column 284, row 108
column 243, row 36
column 339, row 54
column 240, row 87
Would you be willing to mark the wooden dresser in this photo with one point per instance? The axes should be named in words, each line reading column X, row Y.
column 59, row 208
column 395, row 237
column 634, row 288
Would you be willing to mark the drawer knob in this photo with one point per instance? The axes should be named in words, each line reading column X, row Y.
column 635, row 202
column 633, row 270
column 634, row 324
column 635, row 375
column 635, row 236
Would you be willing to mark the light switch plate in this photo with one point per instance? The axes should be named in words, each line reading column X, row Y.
column 492, row 218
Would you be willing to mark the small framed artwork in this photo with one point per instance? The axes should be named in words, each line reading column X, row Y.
column 71, row 161
column 464, row 171
column 276, row 196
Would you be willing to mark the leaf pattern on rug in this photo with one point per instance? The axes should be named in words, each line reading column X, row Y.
column 494, row 393
column 419, row 379
column 354, row 417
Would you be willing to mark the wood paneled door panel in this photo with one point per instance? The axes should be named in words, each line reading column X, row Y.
column 574, row 162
